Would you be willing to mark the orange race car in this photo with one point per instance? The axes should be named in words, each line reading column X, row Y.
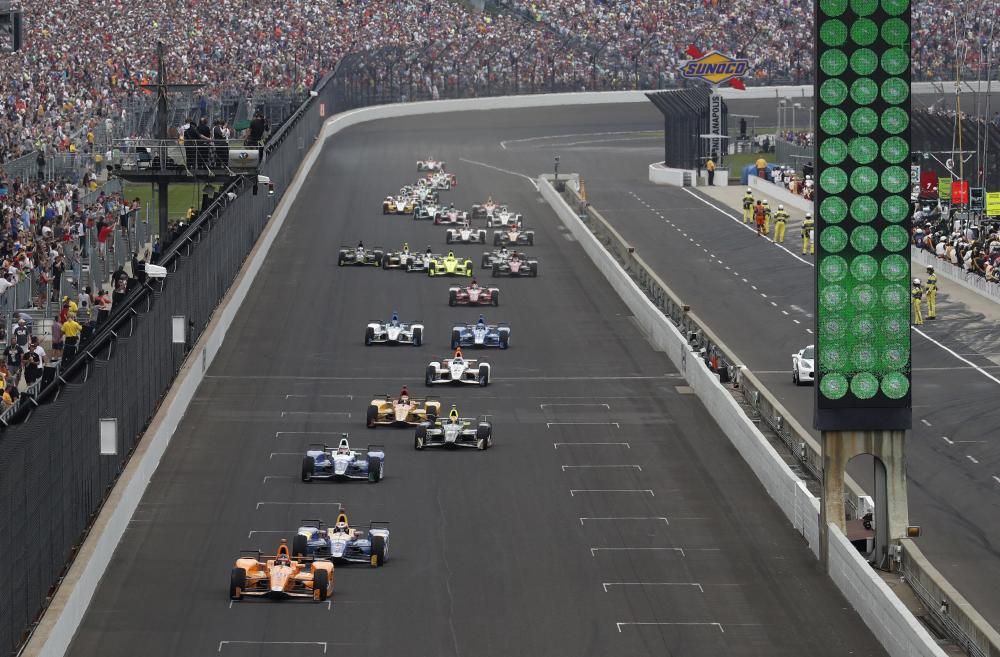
column 403, row 410
column 280, row 576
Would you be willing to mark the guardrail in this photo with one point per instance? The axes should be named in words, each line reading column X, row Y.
column 961, row 622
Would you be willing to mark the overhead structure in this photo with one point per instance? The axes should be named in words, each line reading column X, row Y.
column 863, row 286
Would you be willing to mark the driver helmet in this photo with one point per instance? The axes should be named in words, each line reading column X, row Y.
column 404, row 394
column 481, row 321
column 458, row 354
column 474, row 283
column 361, row 244
column 428, row 249
column 451, row 254
column 406, row 247
column 453, row 413
column 341, row 527
column 395, row 319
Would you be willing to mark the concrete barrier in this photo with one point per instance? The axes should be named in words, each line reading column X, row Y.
column 664, row 175
column 778, row 194
column 893, row 625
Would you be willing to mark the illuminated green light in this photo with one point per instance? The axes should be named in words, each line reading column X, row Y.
column 895, row 150
column 895, row 7
column 864, row 268
column 894, row 91
column 833, row 8
column 864, row 31
column 834, row 358
column 833, row 239
column 833, row 180
column 895, row 327
column 895, row 268
column 833, row 386
column 895, row 239
column 895, row 120
column 833, row 151
column 864, row 91
column 864, row 297
column 833, row 269
column 895, row 385
column 863, row 61
column 833, row 121
column 864, row 209
column 833, row 328
column 895, row 32
column 895, row 61
column 895, row 179
column 864, row 120
column 865, row 357
column 833, row 62
column 895, row 209
column 895, row 356
column 863, row 150
column 833, row 33
column 895, row 297
column 863, row 327
column 833, row 92
column 833, row 209
column 863, row 180
column 833, row 297
column 864, row 7
column 864, row 239
column 864, row 385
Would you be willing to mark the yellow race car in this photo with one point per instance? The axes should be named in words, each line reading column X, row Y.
column 404, row 410
column 450, row 266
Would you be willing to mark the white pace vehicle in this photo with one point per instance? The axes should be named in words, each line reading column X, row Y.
column 394, row 332
column 803, row 366
column 458, row 370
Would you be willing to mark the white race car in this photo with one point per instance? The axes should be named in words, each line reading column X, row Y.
column 456, row 370
column 451, row 215
column 394, row 332
column 803, row 369
column 465, row 234
column 455, row 431
column 503, row 217
column 430, row 165
column 427, row 211
column 441, row 180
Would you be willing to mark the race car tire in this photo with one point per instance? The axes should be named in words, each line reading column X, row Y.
column 299, row 546
column 456, row 338
column 482, row 237
column 340, row 260
column 485, row 262
column 385, row 263
column 447, row 237
column 531, row 239
column 379, row 257
column 369, row 336
column 495, row 298
column 429, row 376
column 484, row 376
column 420, row 438
column 795, row 376
column 534, row 270
column 418, row 336
column 496, row 271
column 371, row 415
column 496, row 240
column 484, row 437
column 374, row 469
column 504, row 340
column 308, row 468
column 379, row 550
column 237, row 583
column 321, row 584
column 469, row 269
column 452, row 297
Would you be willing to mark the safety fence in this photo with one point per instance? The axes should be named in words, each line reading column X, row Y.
column 967, row 279
column 55, row 471
column 949, row 611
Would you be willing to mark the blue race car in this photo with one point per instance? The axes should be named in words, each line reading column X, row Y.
column 324, row 462
column 342, row 543
column 481, row 334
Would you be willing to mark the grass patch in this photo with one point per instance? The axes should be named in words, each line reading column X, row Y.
column 180, row 197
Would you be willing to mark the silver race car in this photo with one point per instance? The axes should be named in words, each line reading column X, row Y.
column 457, row 370
column 455, row 431
column 503, row 217
column 394, row 332
column 360, row 256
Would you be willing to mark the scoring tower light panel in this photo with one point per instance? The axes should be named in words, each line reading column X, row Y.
column 863, row 215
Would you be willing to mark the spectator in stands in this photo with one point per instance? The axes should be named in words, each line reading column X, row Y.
column 12, row 354
column 258, row 127
column 21, row 334
column 71, row 338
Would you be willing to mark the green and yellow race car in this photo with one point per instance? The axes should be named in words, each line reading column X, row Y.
column 450, row 266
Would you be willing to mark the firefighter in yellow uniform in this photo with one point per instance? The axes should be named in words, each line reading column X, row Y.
column 916, row 296
column 748, row 206
column 930, row 289
column 807, row 234
column 767, row 218
column 780, row 217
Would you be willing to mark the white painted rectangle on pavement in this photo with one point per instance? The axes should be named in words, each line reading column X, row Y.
column 595, row 550
column 613, row 518
column 336, row 504
column 549, row 425
column 337, row 413
column 687, row 584
column 558, row 445
column 647, row 491
column 570, row 467
column 319, row 645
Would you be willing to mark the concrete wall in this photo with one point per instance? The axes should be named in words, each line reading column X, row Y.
column 778, row 194
column 661, row 175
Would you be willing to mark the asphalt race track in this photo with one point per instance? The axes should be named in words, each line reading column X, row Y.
column 759, row 300
column 670, row 548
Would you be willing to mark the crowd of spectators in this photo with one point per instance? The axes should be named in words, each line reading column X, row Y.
column 973, row 248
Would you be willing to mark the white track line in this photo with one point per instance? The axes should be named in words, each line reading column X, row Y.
column 574, row 491
column 595, row 550
column 556, row 445
column 507, row 171
column 656, row 518
column 634, row 467
column 694, row 584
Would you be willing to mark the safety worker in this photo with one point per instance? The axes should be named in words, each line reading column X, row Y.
column 916, row 296
column 807, row 234
column 759, row 217
column 710, row 167
column 767, row 218
column 930, row 289
column 748, row 206
column 780, row 217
